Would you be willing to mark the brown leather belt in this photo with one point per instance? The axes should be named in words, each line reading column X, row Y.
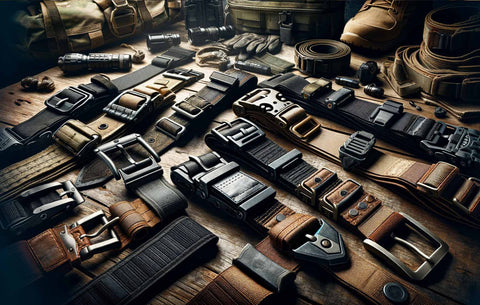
column 75, row 141
column 439, row 186
column 322, row 57
column 289, row 234
column 447, row 64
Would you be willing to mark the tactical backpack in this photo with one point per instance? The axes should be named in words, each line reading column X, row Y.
column 293, row 20
column 53, row 28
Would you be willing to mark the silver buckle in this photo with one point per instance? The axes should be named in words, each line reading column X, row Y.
column 432, row 189
column 185, row 113
column 187, row 75
column 458, row 204
column 121, row 144
column 430, row 261
column 111, row 243
column 171, row 135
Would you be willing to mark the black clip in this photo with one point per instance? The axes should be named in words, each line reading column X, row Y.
column 384, row 114
column 285, row 23
column 356, row 149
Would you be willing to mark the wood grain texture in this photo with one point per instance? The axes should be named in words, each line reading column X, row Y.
column 457, row 279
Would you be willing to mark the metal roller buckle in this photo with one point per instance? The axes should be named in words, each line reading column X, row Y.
column 122, row 113
column 430, row 260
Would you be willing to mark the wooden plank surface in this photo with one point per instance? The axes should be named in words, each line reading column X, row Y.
column 457, row 279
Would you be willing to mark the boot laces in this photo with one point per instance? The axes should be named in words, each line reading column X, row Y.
column 385, row 4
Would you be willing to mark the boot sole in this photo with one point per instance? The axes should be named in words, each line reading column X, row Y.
column 357, row 41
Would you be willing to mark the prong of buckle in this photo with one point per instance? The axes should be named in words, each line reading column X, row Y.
column 430, row 261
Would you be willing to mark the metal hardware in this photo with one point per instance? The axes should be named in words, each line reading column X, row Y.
column 427, row 266
column 34, row 215
column 136, row 167
column 332, row 209
column 339, row 97
column 122, row 11
column 243, row 138
column 432, row 189
column 93, row 140
column 453, row 144
column 125, row 114
column 61, row 103
column 177, row 108
column 356, row 149
column 109, row 224
column 159, row 127
column 325, row 247
column 306, row 128
column 110, row 243
column 187, row 75
column 384, row 114
column 457, row 202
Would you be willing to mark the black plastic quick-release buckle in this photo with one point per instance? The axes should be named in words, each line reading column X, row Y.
column 99, row 217
column 453, row 144
column 138, row 172
column 384, row 114
column 325, row 247
column 69, row 100
column 356, row 149
column 243, row 137
column 31, row 216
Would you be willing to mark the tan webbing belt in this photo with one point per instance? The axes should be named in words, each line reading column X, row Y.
column 439, row 186
column 75, row 138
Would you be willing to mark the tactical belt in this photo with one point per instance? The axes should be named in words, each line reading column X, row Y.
column 60, row 248
column 38, row 206
column 290, row 234
column 190, row 114
column 438, row 186
column 342, row 201
column 82, row 103
column 76, row 140
column 417, row 134
column 182, row 240
column 322, row 57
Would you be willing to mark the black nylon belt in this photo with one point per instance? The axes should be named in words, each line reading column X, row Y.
column 244, row 142
column 433, row 140
column 82, row 102
column 148, row 265
column 322, row 57
column 190, row 114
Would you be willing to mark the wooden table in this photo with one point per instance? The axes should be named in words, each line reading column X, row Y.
column 455, row 281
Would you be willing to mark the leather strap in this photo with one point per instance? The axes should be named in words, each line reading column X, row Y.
column 189, row 115
column 160, row 257
column 224, row 186
column 462, row 34
column 415, row 133
column 444, row 187
column 322, row 57
column 76, row 140
column 81, row 103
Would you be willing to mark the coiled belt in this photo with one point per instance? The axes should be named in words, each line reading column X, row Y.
column 322, row 57
column 463, row 35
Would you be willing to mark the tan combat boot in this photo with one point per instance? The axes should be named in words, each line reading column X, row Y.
column 384, row 24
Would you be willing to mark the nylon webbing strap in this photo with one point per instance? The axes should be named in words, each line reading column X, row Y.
column 82, row 102
column 76, row 140
column 148, row 265
column 286, row 230
column 322, row 57
column 446, row 192
column 414, row 133
column 189, row 114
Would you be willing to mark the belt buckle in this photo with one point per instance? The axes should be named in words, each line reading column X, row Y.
column 63, row 105
column 430, row 261
column 384, row 114
column 8, row 139
column 356, row 149
column 191, row 116
column 457, row 202
column 138, row 172
column 94, row 140
column 325, row 247
column 187, row 75
column 458, row 145
column 98, row 217
column 122, row 10
column 244, row 137
column 114, row 109
column 46, row 210
column 312, row 126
